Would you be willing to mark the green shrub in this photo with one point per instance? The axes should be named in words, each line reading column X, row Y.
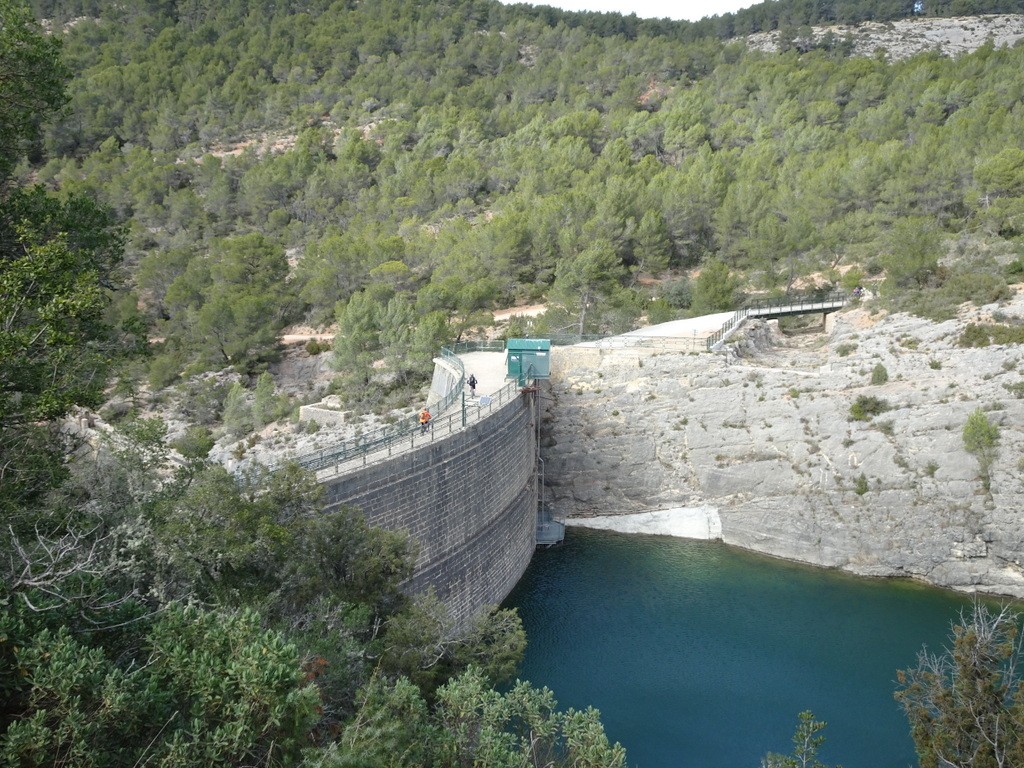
column 974, row 336
column 983, row 334
column 164, row 369
column 935, row 364
column 879, row 375
column 1007, row 334
column 861, row 486
column 846, row 348
column 853, row 279
column 678, row 293
column 977, row 287
column 1017, row 390
column 238, row 419
column 866, row 407
column 981, row 438
column 196, row 443
column 660, row 311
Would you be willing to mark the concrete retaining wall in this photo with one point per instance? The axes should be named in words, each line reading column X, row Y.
column 323, row 416
column 470, row 501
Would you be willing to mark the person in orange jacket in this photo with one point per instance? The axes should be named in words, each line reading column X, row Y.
column 424, row 420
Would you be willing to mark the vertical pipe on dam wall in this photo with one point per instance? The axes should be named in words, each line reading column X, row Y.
column 469, row 501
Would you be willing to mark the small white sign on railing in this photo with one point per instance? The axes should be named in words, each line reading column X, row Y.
column 485, row 399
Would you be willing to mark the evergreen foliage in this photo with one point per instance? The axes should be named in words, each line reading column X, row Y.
column 197, row 689
column 32, row 76
column 966, row 706
column 866, row 407
column 981, row 438
column 461, row 157
column 807, row 740
column 154, row 613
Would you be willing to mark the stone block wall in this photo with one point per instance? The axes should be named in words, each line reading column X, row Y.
column 566, row 361
column 469, row 500
column 323, row 416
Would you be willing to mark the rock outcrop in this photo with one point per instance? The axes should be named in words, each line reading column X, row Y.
column 765, row 436
column 904, row 38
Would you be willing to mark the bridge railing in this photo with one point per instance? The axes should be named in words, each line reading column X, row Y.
column 728, row 326
column 462, row 347
column 451, row 413
column 782, row 305
column 622, row 341
column 660, row 343
column 796, row 304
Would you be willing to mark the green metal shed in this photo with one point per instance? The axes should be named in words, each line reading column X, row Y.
column 528, row 359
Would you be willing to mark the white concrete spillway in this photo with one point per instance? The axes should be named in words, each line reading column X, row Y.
column 684, row 522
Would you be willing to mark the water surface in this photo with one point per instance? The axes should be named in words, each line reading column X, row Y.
column 699, row 655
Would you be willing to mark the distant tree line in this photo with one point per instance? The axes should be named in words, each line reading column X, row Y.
column 766, row 17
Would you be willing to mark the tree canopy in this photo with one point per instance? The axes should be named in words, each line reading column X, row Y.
column 459, row 157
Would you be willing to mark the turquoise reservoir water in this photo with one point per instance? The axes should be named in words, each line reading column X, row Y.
column 699, row 655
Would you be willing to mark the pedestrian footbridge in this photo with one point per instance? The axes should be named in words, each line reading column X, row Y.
column 771, row 308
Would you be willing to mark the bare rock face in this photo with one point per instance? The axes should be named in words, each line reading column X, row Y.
column 904, row 38
column 766, row 437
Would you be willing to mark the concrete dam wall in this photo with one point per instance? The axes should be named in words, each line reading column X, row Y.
column 468, row 500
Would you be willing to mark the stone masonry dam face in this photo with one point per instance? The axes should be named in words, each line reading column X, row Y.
column 469, row 501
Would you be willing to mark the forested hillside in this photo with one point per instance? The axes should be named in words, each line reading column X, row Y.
column 435, row 161
column 215, row 172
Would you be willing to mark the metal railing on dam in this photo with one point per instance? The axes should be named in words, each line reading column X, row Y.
column 453, row 412
column 637, row 341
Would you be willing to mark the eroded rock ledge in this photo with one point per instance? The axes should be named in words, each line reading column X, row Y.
column 768, row 443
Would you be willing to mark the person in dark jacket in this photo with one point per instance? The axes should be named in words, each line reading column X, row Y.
column 472, row 384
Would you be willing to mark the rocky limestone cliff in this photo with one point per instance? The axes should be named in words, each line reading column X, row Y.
column 765, row 437
column 904, row 38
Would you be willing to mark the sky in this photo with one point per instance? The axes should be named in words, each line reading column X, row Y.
column 690, row 10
